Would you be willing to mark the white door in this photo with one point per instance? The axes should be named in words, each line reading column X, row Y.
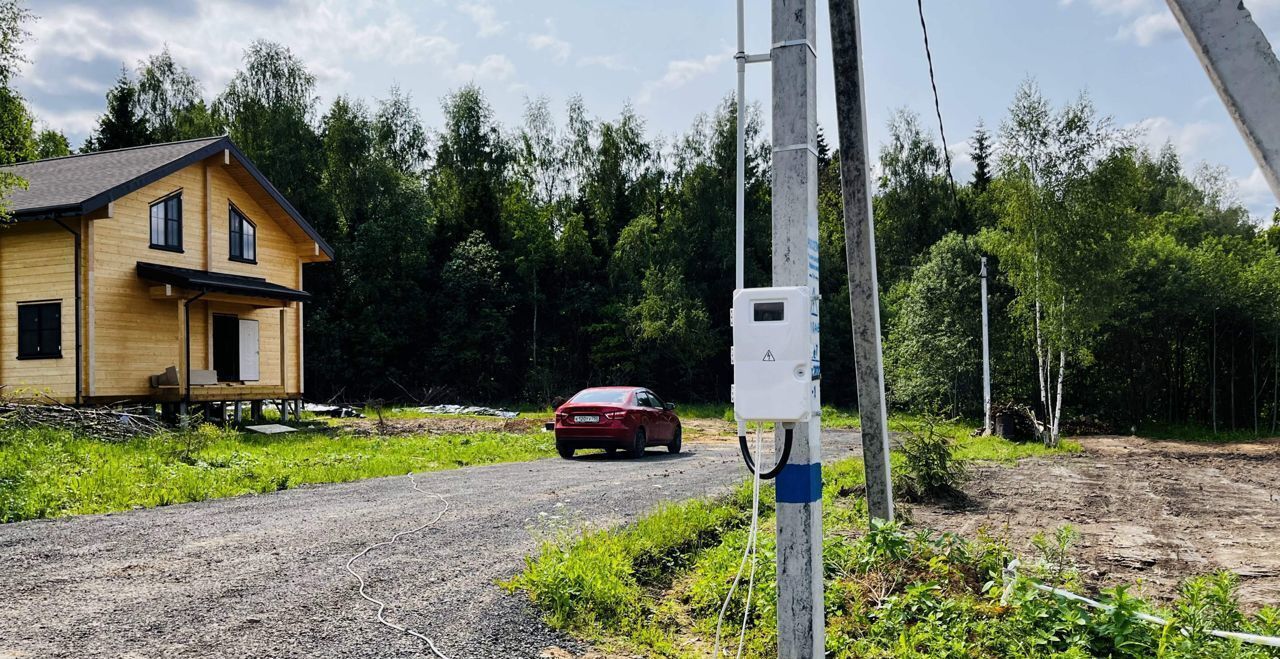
column 249, row 350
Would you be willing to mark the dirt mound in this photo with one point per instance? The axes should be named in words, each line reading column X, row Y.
column 1149, row 512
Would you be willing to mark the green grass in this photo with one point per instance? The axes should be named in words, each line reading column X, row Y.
column 655, row 588
column 1186, row 432
column 53, row 473
column 705, row 411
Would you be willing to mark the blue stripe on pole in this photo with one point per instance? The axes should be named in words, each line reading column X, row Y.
column 800, row 483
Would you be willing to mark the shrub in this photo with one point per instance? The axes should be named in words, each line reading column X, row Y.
column 930, row 468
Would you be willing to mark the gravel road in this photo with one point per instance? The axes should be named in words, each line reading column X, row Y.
column 263, row 576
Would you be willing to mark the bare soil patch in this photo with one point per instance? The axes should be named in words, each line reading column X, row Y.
column 444, row 425
column 1149, row 512
column 709, row 429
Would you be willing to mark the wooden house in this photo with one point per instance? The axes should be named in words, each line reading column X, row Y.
column 169, row 273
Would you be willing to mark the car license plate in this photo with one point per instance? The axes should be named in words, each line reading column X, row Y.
column 586, row 418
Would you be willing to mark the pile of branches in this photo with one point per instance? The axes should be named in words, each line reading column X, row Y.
column 1014, row 422
column 1088, row 425
column 101, row 423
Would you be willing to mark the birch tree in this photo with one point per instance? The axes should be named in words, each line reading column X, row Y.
column 1066, row 192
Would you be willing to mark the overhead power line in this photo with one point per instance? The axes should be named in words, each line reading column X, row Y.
column 937, row 106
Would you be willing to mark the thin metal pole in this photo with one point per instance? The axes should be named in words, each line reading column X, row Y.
column 801, row 628
column 740, row 200
column 986, row 356
column 860, row 250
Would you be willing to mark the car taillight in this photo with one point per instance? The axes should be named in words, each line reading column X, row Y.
column 561, row 416
column 615, row 415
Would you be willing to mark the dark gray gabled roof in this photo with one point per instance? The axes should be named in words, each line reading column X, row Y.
column 80, row 184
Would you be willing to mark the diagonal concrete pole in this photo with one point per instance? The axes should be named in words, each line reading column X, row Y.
column 1243, row 68
column 860, row 250
column 795, row 263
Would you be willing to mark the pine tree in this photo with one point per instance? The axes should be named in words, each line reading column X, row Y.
column 122, row 125
column 981, row 155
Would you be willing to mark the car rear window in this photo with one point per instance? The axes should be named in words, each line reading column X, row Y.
column 601, row 396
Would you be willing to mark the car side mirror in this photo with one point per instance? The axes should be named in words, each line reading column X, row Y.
column 669, row 407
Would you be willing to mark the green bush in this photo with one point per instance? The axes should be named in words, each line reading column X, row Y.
column 930, row 467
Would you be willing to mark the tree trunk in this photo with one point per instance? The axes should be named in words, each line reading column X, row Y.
column 1213, row 374
column 1042, row 367
column 1253, row 360
column 1231, row 380
column 1057, row 413
column 535, row 318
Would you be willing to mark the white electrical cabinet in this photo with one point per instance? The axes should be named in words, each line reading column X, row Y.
column 773, row 362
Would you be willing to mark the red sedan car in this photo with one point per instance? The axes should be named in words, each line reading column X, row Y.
column 612, row 418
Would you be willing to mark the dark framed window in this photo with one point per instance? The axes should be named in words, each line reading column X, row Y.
column 166, row 223
column 244, row 238
column 40, row 330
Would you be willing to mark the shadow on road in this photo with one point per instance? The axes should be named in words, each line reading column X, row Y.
column 659, row 454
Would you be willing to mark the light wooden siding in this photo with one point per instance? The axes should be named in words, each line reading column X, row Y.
column 277, row 253
column 268, row 340
column 36, row 263
column 137, row 336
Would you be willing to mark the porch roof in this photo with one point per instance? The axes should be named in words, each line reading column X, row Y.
column 217, row 282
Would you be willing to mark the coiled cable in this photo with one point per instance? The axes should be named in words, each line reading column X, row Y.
column 782, row 459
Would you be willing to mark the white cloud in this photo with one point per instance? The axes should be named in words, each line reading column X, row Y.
column 559, row 48
column 680, row 73
column 1145, row 21
column 1149, row 28
column 610, row 62
column 484, row 16
column 74, row 122
column 492, row 67
column 1255, row 194
column 327, row 35
column 1187, row 139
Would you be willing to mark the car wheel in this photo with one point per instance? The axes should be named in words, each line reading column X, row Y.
column 674, row 446
column 638, row 444
column 564, row 450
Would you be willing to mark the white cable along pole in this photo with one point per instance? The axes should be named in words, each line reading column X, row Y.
column 749, row 553
column 382, row 605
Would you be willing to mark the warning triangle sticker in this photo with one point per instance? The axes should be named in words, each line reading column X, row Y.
column 768, row 356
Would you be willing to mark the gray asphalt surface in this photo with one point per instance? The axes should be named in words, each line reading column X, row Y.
column 263, row 576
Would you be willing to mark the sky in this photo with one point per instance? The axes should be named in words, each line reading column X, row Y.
column 670, row 59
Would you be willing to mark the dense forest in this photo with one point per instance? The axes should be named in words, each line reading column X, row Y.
column 483, row 262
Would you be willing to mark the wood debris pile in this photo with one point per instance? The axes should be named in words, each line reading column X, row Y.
column 102, row 423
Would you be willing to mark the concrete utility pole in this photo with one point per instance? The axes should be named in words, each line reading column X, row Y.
column 795, row 263
column 986, row 356
column 860, row 249
column 1244, row 70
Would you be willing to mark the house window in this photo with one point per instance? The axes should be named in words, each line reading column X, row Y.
column 40, row 330
column 166, row 223
column 244, row 238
